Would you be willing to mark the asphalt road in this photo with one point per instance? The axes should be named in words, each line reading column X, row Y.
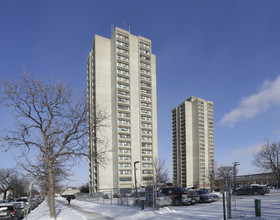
column 86, row 213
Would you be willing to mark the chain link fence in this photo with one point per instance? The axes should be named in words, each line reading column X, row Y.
column 109, row 197
column 125, row 197
column 252, row 200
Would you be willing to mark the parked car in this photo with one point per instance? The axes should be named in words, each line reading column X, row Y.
column 215, row 197
column 179, row 195
column 4, row 201
column 193, row 195
column 8, row 212
column 17, row 205
column 162, row 199
column 204, row 196
column 250, row 190
column 23, row 207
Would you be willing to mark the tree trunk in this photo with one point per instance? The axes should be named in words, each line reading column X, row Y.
column 5, row 195
column 51, row 192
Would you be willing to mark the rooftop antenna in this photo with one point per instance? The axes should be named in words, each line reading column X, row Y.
column 112, row 29
column 124, row 24
column 129, row 29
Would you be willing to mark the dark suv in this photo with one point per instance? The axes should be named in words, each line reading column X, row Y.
column 179, row 195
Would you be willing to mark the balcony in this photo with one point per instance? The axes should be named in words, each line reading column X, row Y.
column 145, row 78
column 121, row 51
column 122, row 44
column 144, row 71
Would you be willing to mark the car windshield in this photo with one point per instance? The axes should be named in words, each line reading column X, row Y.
column 21, row 200
column 182, row 190
column 202, row 192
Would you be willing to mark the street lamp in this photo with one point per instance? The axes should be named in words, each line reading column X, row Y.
column 135, row 177
column 234, row 170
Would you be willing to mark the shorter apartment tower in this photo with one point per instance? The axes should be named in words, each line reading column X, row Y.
column 193, row 143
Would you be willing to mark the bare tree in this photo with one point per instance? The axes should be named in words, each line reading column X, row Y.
column 224, row 171
column 211, row 178
column 6, row 180
column 51, row 124
column 162, row 172
column 268, row 158
column 19, row 186
column 160, row 177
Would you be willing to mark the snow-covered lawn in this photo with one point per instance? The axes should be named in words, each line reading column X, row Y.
column 85, row 210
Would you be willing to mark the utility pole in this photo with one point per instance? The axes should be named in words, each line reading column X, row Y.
column 234, row 171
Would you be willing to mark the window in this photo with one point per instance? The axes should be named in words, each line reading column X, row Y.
column 146, row 125
column 123, row 93
column 123, row 72
column 126, row 151
column 123, row 100
column 147, row 165
column 122, row 50
column 146, row 45
column 124, row 122
column 147, row 172
column 147, row 152
column 124, row 158
column 144, row 138
column 124, row 136
column 145, row 84
column 123, row 79
column 146, row 111
column 146, row 98
column 120, row 36
column 124, row 129
column 146, row 104
column 146, row 132
column 147, row 178
column 145, row 65
column 145, row 58
column 123, row 65
column 124, row 143
column 123, row 107
column 125, row 179
column 122, row 44
column 122, row 58
column 146, row 118
column 147, row 158
column 125, row 165
column 146, row 145
column 146, row 91
column 123, row 86
column 121, row 114
column 145, row 71
column 124, row 172
column 145, row 78
column 145, row 51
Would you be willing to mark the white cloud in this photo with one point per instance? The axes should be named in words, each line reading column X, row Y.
column 244, row 152
column 252, row 105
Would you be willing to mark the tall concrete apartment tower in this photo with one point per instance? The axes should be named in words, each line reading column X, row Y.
column 121, row 79
column 193, row 142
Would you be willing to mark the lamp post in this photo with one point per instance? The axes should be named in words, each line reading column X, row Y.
column 135, row 178
column 234, row 171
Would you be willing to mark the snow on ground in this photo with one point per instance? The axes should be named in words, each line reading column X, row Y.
column 62, row 212
column 81, row 210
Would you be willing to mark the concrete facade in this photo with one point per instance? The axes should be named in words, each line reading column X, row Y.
column 193, row 142
column 121, row 80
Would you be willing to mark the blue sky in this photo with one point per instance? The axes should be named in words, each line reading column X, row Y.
column 224, row 51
